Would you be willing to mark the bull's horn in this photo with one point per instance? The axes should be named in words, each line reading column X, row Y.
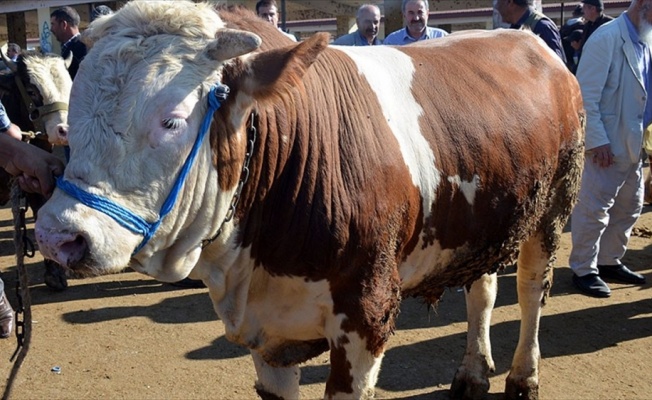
column 230, row 43
column 68, row 60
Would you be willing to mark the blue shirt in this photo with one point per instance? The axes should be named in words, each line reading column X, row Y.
column 643, row 57
column 355, row 39
column 4, row 119
column 401, row 36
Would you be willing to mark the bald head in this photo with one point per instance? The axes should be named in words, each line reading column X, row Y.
column 368, row 20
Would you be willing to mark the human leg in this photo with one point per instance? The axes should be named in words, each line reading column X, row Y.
column 590, row 216
column 6, row 314
column 622, row 217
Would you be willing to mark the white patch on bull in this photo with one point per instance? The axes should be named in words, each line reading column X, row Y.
column 259, row 309
column 380, row 65
column 467, row 188
column 424, row 262
column 362, row 361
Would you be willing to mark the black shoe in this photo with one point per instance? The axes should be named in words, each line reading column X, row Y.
column 189, row 283
column 6, row 317
column 620, row 273
column 592, row 285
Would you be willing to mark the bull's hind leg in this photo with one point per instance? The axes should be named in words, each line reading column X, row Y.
column 274, row 382
column 534, row 278
column 471, row 379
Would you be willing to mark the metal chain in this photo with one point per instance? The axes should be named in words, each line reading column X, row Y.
column 26, row 250
column 23, row 324
column 244, row 177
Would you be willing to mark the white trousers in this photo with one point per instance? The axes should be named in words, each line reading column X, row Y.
column 609, row 203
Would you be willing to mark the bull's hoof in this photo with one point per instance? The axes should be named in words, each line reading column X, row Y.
column 55, row 276
column 467, row 386
column 522, row 389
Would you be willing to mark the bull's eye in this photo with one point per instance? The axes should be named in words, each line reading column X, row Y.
column 172, row 123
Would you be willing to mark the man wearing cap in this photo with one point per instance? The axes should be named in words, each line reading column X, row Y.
column 594, row 16
column 575, row 40
column 614, row 75
column 520, row 13
column 576, row 22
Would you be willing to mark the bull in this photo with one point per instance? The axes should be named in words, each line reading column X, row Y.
column 311, row 187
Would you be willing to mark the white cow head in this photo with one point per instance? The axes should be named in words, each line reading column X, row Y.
column 139, row 99
column 46, row 84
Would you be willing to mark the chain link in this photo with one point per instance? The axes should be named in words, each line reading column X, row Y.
column 244, row 177
column 29, row 249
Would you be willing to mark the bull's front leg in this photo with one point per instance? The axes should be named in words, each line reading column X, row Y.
column 363, row 319
column 534, row 278
column 471, row 379
column 276, row 383
column 354, row 369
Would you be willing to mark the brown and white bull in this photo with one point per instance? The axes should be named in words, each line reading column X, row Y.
column 331, row 182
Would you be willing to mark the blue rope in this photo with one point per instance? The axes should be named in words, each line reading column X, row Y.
column 124, row 216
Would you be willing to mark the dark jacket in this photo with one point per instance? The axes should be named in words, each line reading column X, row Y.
column 590, row 27
column 78, row 50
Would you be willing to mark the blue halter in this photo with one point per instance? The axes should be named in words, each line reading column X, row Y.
column 125, row 217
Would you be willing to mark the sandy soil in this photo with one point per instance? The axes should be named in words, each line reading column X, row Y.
column 127, row 336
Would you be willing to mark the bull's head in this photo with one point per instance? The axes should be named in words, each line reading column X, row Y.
column 138, row 103
column 43, row 85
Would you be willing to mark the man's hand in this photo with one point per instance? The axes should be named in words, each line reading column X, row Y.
column 35, row 168
column 602, row 155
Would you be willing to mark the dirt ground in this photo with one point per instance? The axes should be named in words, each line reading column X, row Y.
column 128, row 336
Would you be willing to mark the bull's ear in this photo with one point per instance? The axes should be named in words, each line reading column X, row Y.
column 278, row 70
column 231, row 43
column 68, row 60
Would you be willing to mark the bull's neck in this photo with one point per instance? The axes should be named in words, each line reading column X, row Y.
column 244, row 177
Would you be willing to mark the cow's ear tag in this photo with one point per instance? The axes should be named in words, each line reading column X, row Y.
column 230, row 43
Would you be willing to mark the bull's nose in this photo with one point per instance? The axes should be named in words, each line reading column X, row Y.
column 65, row 248
column 62, row 134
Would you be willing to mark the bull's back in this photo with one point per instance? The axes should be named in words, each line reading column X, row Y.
column 498, row 129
